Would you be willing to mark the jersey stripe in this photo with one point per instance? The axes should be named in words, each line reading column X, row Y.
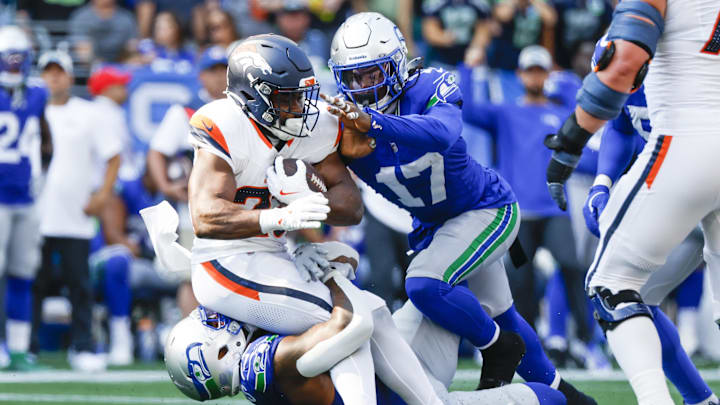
column 660, row 159
column 229, row 284
column 624, row 208
column 260, row 134
column 250, row 289
column 207, row 126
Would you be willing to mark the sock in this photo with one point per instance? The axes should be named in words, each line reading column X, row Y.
column 117, row 285
column 455, row 308
column 535, row 366
column 18, row 306
column 395, row 363
column 637, row 350
column 120, row 334
column 354, row 377
column 676, row 364
column 547, row 395
column 557, row 309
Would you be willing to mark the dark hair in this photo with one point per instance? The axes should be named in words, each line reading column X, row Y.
column 179, row 32
column 231, row 20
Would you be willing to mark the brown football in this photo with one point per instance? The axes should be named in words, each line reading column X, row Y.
column 314, row 181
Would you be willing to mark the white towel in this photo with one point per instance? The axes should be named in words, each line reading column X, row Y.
column 162, row 222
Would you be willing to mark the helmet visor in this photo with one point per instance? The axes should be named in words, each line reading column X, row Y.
column 297, row 104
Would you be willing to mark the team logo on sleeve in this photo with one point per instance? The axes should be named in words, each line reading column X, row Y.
column 445, row 86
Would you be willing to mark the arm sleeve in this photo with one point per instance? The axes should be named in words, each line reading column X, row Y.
column 616, row 152
column 484, row 115
column 435, row 131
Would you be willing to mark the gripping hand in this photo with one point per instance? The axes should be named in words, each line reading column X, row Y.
column 305, row 212
column 594, row 205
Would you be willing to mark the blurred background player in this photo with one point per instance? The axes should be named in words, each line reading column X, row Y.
column 89, row 138
column 24, row 130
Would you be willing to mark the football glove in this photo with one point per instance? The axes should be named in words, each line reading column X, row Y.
column 594, row 205
column 305, row 212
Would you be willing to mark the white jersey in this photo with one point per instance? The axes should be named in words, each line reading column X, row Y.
column 221, row 128
column 683, row 84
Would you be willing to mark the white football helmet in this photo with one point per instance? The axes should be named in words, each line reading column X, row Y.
column 15, row 56
column 369, row 42
column 202, row 355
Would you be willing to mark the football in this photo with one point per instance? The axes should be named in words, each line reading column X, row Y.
column 314, row 181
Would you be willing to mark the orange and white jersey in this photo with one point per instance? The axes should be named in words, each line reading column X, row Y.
column 683, row 84
column 221, row 128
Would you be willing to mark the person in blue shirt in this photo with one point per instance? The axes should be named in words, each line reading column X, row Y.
column 622, row 140
column 22, row 121
column 519, row 129
column 401, row 136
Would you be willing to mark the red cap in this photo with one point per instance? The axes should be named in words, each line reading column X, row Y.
column 104, row 77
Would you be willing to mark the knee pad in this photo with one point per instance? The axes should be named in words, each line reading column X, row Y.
column 612, row 309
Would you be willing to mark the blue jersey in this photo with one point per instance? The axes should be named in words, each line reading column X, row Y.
column 421, row 163
column 519, row 130
column 19, row 124
column 257, row 372
column 135, row 197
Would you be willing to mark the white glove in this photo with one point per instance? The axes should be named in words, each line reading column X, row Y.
column 310, row 261
column 284, row 188
column 305, row 212
column 342, row 260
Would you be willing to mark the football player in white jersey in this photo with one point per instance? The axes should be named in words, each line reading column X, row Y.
column 240, row 266
column 674, row 183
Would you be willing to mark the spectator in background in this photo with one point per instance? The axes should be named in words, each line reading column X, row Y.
column 170, row 143
column 49, row 9
column 519, row 130
column 456, row 31
column 293, row 20
column 522, row 23
column 88, row 140
column 102, row 31
column 167, row 42
column 189, row 13
column 578, row 21
column 250, row 17
column 221, row 28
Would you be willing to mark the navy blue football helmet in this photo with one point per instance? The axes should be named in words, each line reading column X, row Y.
column 273, row 81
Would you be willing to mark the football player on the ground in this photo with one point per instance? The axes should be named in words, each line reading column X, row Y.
column 405, row 143
column 209, row 356
column 674, row 183
column 22, row 120
column 622, row 140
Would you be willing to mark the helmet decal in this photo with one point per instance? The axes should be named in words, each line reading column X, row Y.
column 199, row 373
column 252, row 59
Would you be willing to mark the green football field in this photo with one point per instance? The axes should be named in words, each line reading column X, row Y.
column 149, row 384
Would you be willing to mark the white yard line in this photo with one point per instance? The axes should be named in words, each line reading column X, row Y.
column 101, row 399
column 154, row 376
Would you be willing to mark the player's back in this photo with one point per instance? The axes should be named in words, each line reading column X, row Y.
column 683, row 84
column 19, row 135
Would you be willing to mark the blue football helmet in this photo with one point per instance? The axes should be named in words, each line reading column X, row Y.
column 15, row 56
column 202, row 354
column 273, row 81
column 369, row 60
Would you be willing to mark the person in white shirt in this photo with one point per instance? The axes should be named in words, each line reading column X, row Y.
column 88, row 140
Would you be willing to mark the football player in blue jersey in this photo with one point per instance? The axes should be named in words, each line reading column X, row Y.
column 401, row 136
column 22, row 123
column 209, row 356
column 622, row 140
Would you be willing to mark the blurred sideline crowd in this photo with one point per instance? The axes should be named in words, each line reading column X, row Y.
column 123, row 77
